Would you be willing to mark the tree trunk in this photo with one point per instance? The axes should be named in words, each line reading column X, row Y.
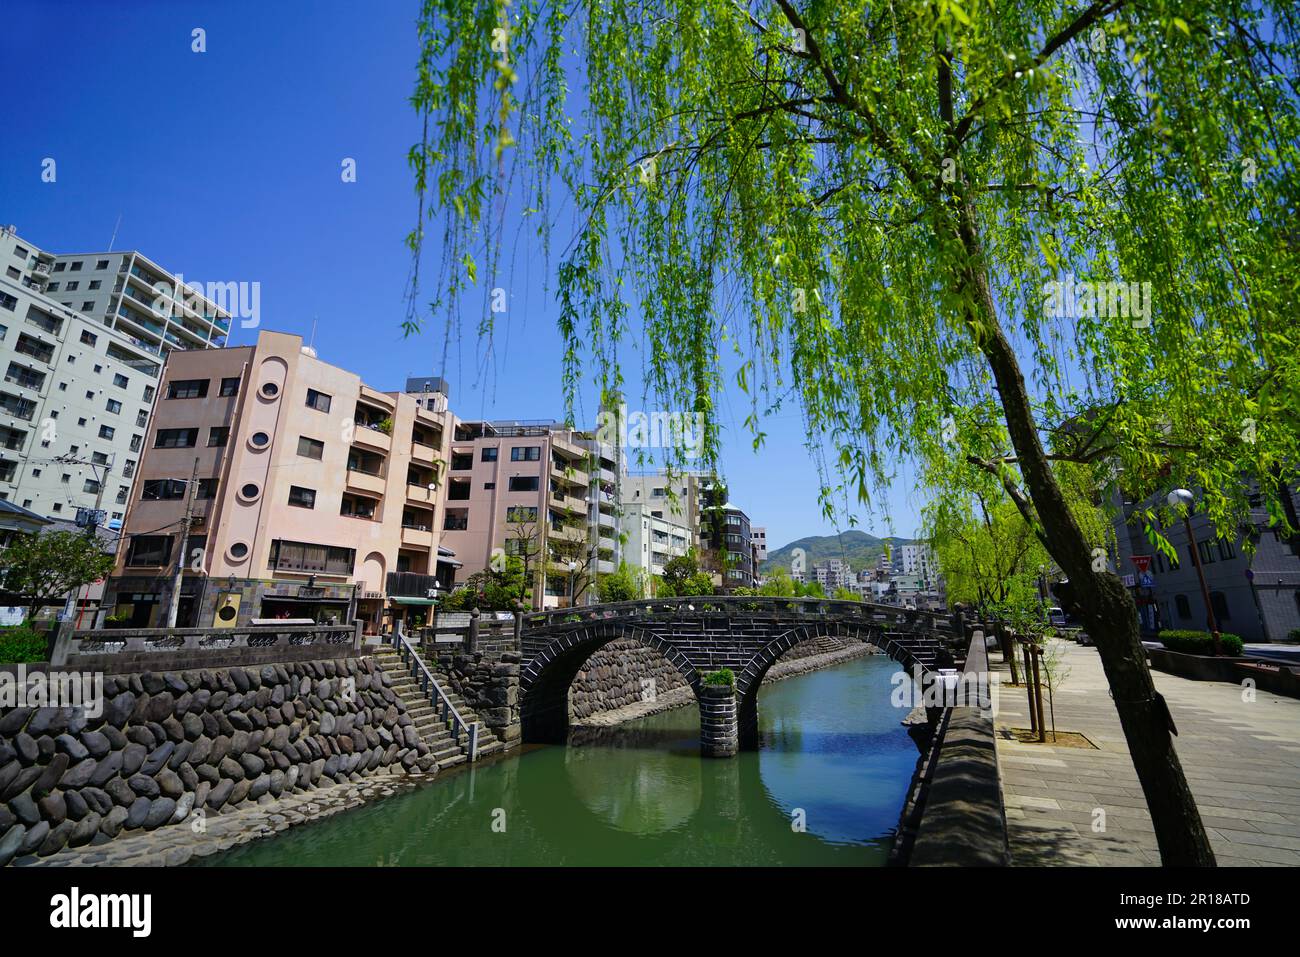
column 1107, row 606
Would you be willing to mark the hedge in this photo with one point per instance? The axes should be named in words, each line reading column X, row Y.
column 21, row 645
column 1200, row 643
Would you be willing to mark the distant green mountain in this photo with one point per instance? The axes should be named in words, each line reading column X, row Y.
column 856, row 547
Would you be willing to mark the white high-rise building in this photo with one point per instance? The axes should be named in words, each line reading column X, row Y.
column 82, row 358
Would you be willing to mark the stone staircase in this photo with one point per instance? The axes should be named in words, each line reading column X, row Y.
column 436, row 733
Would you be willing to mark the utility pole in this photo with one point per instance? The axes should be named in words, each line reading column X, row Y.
column 185, row 542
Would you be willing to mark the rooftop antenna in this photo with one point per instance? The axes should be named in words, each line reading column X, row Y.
column 114, row 239
column 313, row 332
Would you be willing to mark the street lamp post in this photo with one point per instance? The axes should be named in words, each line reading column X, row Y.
column 1042, row 590
column 1181, row 496
column 573, row 568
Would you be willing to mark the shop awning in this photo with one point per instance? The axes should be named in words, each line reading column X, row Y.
column 404, row 600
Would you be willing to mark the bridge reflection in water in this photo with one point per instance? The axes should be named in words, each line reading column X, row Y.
column 830, row 744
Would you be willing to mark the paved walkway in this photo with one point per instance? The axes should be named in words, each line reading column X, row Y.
column 1242, row 760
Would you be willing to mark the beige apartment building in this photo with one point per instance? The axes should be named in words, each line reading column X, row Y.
column 316, row 496
column 537, row 490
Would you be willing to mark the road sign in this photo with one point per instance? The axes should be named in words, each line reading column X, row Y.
column 1142, row 563
column 1146, row 580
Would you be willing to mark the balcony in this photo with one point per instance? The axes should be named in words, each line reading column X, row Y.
column 412, row 585
column 570, row 503
column 370, row 436
column 425, row 454
column 574, row 476
column 417, row 536
column 362, row 480
column 420, row 493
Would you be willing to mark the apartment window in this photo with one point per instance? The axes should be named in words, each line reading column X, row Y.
column 25, row 377
column 218, row 435
column 13, row 273
column 302, row 497
column 188, row 389
column 22, row 253
column 308, row 557
column 114, row 406
column 90, row 394
column 1184, row 607
column 71, row 287
column 160, row 490
column 8, row 301
column 318, row 400
column 59, row 267
column 526, row 453
column 461, row 461
column 310, row 448
column 229, row 386
column 149, row 550
column 88, row 337
column 456, row 520
column 1226, row 550
column 99, row 458
column 106, row 432
column 489, row 486
column 52, row 287
column 148, row 393
column 523, row 483
column 1206, row 549
column 522, row 513
column 76, row 267
column 142, row 418
column 101, row 264
column 91, row 486
column 87, row 306
column 96, row 283
column 122, row 491
column 207, row 489
column 173, row 439
column 136, row 442
column 120, row 380
column 488, row 454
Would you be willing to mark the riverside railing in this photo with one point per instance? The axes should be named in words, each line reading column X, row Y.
column 735, row 605
column 173, row 649
column 429, row 685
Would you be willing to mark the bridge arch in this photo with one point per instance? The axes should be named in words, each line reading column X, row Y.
column 544, row 682
column 750, row 680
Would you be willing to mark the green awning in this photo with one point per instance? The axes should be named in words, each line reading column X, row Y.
column 402, row 600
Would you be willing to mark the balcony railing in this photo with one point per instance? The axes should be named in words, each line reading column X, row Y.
column 412, row 585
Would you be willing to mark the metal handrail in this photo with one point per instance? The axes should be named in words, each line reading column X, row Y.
column 437, row 697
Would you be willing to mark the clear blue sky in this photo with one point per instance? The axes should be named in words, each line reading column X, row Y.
column 225, row 166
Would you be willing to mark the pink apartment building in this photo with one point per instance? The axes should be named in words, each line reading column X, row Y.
column 316, row 495
column 536, row 487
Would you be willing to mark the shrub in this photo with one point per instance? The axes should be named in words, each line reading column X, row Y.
column 1200, row 643
column 1293, row 635
column 21, row 645
column 723, row 676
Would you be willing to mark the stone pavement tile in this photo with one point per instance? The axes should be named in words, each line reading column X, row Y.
column 1259, row 838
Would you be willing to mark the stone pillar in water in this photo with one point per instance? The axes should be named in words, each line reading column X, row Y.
column 719, row 732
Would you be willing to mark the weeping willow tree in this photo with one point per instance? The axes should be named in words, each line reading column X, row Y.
column 978, row 234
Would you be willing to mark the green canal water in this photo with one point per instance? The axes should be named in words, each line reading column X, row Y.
column 832, row 754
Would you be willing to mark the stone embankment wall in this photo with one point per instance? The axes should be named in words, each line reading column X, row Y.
column 490, row 686
column 168, row 749
column 625, row 672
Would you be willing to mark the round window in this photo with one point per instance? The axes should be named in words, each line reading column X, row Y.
column 227, row 613
column 270, row 390
column 260, row 440
column 238, row 550
column 249, row 491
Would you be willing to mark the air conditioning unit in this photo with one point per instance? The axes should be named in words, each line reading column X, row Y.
column 227, row 610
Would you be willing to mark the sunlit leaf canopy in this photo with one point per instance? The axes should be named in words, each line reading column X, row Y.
column 764, row 196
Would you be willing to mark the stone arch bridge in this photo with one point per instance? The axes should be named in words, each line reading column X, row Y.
column 705, row 634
